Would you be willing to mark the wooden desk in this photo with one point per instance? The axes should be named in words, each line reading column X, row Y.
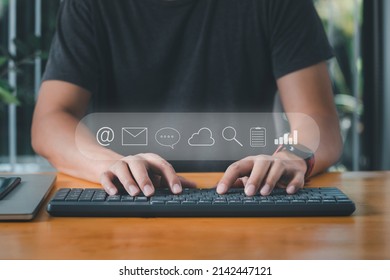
column 364, row 235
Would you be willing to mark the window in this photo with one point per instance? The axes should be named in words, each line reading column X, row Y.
column 343, row 20
column 23, row 20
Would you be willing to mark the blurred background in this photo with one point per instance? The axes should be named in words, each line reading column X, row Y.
column 356, row 30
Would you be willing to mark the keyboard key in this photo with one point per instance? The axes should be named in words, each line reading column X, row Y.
column 282, row 201
column 116, row 198
column 235, row 201
column 251, row 202
column 267, row 202
column 188, row 202
column 205, row 202
column 140, row 199
column 220, row 202
column 328, row 201
column 99, row 198
column 127, row 198
column 209, row 200
column 60, row 196
column 173, row 202
column 138, row 203
column 344, row 201
column 157, row 202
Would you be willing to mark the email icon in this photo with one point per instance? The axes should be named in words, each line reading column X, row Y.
column 134, row 136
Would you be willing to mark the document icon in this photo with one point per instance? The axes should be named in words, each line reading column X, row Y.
column 258, row 136
column 134, row 136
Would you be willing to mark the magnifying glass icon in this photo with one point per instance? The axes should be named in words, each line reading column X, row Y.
column 229, row 133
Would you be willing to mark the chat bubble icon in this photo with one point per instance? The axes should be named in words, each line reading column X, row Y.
column 167, row 137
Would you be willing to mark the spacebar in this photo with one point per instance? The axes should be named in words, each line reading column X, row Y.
column 132, row 203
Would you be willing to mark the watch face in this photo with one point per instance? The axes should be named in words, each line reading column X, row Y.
column 300, row 151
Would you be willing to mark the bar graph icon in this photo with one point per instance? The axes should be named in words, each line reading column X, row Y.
column 258, row 137
column 287, row 139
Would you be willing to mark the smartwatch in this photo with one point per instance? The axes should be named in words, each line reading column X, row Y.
column 299, row 150
column 302, row 152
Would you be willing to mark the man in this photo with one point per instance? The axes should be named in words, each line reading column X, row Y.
column 186, row 55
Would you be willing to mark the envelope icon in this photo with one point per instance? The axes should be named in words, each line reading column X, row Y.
column 134, row 136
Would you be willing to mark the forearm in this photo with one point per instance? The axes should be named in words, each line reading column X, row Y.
column 324, row 140
column 54, row 137
column 330, row 146
column 309, row 92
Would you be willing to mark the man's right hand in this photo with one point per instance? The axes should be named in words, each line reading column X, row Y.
column 143, row 173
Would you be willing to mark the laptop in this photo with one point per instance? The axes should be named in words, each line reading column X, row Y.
column 25, row 200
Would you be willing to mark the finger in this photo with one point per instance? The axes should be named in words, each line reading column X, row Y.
column 165, row 169
column 141, row 176
column 258, row 173
column 297, row 183
column 106, row 180
column 244, row 180
column 240, row 182
column 233, row 172
column 273, row 177
column 122, row 172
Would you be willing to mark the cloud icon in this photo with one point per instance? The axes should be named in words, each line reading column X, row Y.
column 203, row 138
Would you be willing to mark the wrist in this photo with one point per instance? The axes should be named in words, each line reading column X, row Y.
column 103, row 162
column 301, row 153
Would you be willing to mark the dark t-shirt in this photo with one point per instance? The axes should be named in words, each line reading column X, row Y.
column 184, row 55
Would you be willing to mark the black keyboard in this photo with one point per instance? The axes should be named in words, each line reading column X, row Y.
column 201, row 203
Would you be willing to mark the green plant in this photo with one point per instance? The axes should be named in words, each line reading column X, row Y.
column 26, row 53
